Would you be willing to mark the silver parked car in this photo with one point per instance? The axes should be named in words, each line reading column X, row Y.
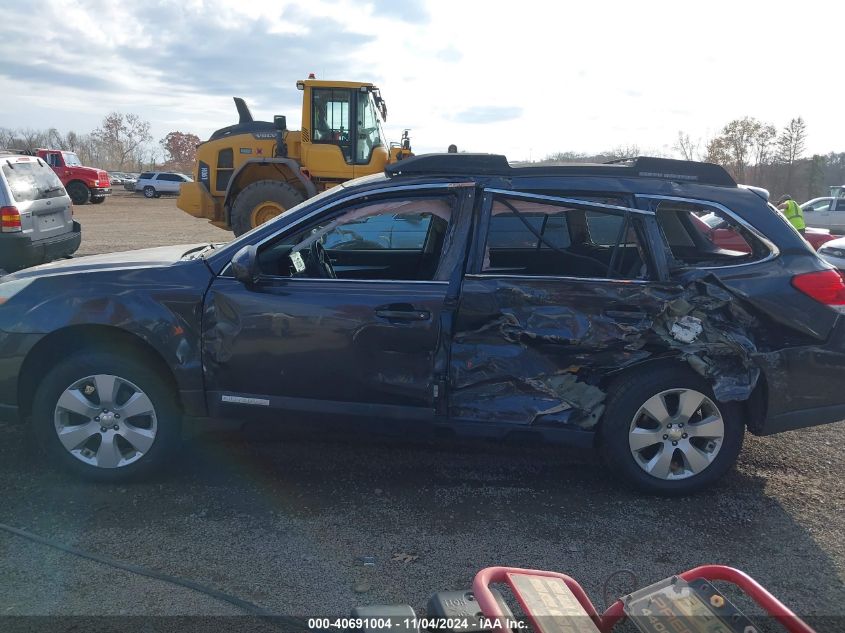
column 37, row 214
column 154, row 183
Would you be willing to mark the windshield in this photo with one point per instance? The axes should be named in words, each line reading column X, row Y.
column 71, row 159
column 32, row 180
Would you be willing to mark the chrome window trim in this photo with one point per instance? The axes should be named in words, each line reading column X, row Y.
column 774, row 251
column 562, row 278
column 365, row 281
column 574, row 201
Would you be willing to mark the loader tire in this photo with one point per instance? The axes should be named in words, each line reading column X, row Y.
column 260, row 202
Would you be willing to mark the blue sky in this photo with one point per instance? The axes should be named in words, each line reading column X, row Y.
column 526, row 79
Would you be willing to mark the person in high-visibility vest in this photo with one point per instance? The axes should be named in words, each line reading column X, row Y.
column 793, row 212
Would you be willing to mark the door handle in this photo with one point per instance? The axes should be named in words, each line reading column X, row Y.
column 403, row 315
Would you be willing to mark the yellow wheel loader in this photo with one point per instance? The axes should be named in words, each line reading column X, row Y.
column 252, row 171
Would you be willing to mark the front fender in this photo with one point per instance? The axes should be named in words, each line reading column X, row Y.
column 160, row 307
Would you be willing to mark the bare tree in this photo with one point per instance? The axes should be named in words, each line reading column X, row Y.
column 762, row 148
column 791, row 145
column 122, row 138
column 686, row 147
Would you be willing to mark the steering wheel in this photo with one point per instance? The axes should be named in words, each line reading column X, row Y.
column 319, row 264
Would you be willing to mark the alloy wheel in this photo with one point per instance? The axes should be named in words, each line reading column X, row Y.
column 676, row 434
column 105, row 421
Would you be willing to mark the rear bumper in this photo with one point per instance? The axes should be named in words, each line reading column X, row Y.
column 19, row 251
column 100, row 191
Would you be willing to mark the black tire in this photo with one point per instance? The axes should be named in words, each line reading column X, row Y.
column 264, row 190
column 150, row 192
column 78, row 192
column 98, row 200
column 77, row 367
column 628, row 394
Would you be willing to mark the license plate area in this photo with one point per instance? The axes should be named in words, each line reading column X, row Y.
column 51, row 221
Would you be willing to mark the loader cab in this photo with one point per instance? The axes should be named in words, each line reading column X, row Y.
column 342, row 134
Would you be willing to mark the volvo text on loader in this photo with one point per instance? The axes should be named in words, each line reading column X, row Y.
column 251, row 172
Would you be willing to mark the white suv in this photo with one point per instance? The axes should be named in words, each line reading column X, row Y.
column 155, row 183
column 37, row 215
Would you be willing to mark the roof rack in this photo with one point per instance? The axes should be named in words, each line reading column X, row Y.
column 497, row 165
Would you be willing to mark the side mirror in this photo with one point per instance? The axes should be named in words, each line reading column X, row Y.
column 245, row 265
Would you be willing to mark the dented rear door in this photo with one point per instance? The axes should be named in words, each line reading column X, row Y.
column 530, row 348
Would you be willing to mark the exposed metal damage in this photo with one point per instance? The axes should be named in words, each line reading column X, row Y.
column 522, row 354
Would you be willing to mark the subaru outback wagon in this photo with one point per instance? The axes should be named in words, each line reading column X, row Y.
column 582, row 303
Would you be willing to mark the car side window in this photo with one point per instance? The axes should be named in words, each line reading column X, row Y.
column 395, row 239
column 699, row 234
column 550, row 239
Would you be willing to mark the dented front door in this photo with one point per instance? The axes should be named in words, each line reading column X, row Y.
column 529, row 348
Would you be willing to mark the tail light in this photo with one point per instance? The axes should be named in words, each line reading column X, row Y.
column 10, row 220
column 825, row 286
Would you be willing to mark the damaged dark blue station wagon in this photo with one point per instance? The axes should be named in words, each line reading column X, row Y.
column 587, row 303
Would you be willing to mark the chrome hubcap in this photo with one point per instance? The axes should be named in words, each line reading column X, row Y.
column 676, row 434
column 105, row 421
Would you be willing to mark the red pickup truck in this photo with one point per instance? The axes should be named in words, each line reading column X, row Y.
column 82, row 183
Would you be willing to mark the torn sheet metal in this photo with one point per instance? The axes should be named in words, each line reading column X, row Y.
column 539, row 351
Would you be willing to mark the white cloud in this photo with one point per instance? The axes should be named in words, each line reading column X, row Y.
column 535, row 78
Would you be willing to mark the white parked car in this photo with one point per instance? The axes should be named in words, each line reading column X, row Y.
column 154, row 183
column 833, row 252
column 827, row 212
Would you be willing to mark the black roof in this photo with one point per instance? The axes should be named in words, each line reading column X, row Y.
column 497, row 165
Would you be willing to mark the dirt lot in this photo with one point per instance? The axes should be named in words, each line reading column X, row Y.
column 283, row 520
column 128, row 221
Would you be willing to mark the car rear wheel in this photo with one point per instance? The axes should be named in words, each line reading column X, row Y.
column 98, row 200
column 106, row 417
column 262, row 201
column 149, row 192
column 78, row 192
column 664, row 432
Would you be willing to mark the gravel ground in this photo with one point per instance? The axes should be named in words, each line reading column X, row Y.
column 283, row 520
column 128, row 221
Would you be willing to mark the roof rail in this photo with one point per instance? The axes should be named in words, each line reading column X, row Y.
column 671, row 169
column 497, row 165
column 481, row 164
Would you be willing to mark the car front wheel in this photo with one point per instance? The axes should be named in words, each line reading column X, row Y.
column 149, row 192
column 106, row 417
column 664, row 431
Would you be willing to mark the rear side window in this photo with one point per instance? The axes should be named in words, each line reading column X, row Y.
column 699, row 234
column 32, row 180
column 170, row 177
column 549, row 239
